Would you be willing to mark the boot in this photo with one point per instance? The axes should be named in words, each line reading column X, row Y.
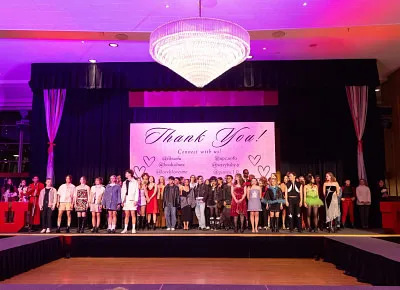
column 83, row 225
column 97, row 230
column 299, row 225
column 139, row 223
column 79, row 225
column 272, row 222
column 212, row 223
column 58, row 230
column 217, row 224
column 67, row 231
column 144, row 223
column 276, row 225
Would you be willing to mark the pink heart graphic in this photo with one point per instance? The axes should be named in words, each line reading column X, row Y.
column 264, row 170
column 254, row 159
column 138, row 171
column 149, row 160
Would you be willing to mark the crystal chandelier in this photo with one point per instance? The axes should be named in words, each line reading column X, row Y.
column 200, row 49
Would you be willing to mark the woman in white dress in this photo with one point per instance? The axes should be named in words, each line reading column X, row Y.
column 129, row 199
column 96, row 200
column 331, row 189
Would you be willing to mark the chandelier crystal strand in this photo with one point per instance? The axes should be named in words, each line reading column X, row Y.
column 200, row 49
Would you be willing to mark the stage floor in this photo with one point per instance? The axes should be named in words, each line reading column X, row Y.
column 221, row 233
column 186, row 271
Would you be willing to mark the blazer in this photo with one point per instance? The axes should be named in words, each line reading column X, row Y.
column 133, row 191
column 52, row 198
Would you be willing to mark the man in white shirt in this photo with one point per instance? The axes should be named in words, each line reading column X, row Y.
column 65, row 202
column 363, row 194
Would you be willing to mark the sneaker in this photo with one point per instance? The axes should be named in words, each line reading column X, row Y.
column 168, row 229
column 48, row 231
column 43, row 231
column 207, row 228
column 133, row 231
column 124, row 231
column 173, row 229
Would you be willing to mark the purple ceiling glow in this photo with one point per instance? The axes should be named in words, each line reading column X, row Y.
column 146, row 15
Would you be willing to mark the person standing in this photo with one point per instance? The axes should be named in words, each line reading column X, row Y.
column 363, row 194
column 187, row 198
column 22, row 190
column 142, row 202
column 348, row 197
column 65, row 202
column 275, row 200
column 331, row 189
column 47, row 203
column 253, row 193
column 239, row 206
column 212, row 211
column 227, row 201
column 311, row 202
column 161, row 222
column 95, row 203
column 81, row 203
column 151, row 194
column 284, row 192
column 33, row 206
column 111, row 202
column 170, row 203
column 129, row 198
column 201, row 196
column 294, row 200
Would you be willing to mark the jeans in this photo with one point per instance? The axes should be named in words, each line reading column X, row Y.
column 200, row 213
column 364, row 215
column 170, row 216
column 348, row 209
column 46, row 217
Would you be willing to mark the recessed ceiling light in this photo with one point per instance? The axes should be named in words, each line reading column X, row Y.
column 83, row 41
column 305, row 4
column 166, row 6
column 113, row 44
column 377, row 90
column 92, row 60
column 16, row 155
column 250, row 57
column 264, row 48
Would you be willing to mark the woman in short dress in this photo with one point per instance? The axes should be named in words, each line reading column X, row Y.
column 161, row 222
column 111, row 201
column 238, row 206
column 151, row 193
column 284, row 190
column 96, row 199
column 130, row 200
column 331, row 189
column 81, row 203
column 254, row 203
column 141, row 213
column 275, row 202
column 311, row 202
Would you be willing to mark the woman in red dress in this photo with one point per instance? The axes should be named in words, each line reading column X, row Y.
column 239, row 206
column 152, row 203
column 34, row 210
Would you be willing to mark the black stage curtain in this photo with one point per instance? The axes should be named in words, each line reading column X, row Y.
column 248, row 75
column 367, row 267
column 93, row 137
column 20, row 259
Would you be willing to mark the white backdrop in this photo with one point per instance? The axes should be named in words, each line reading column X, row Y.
column 207, row 149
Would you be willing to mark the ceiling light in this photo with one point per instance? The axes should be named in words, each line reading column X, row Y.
column 167, row 6
column 305, row 4
column 250, row 57
column 92, row 60
column 16, row 155
column 377, row 90
column 83, row 41
column 264, row 48
column 113, row 44
column 200, row 49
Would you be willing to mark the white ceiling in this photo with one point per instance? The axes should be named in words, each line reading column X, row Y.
column 29, row 31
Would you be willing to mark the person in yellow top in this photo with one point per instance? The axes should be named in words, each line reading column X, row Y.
column 312, row 201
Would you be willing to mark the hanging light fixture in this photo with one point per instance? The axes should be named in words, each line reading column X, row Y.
column 200, row 49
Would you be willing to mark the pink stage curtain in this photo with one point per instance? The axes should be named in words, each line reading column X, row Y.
column 358, row 101
column 54, row 104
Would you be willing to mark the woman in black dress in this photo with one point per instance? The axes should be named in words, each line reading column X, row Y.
column 186, row 201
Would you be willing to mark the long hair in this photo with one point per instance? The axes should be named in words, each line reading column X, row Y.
column 333, row 178
column 309, row 177
column 241, row 180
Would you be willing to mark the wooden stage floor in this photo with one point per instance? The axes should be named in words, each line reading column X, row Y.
column 186, row 271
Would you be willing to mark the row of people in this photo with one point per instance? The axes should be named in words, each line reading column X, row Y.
column 214, row 201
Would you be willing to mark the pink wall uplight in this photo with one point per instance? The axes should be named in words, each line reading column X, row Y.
column 203, row 99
